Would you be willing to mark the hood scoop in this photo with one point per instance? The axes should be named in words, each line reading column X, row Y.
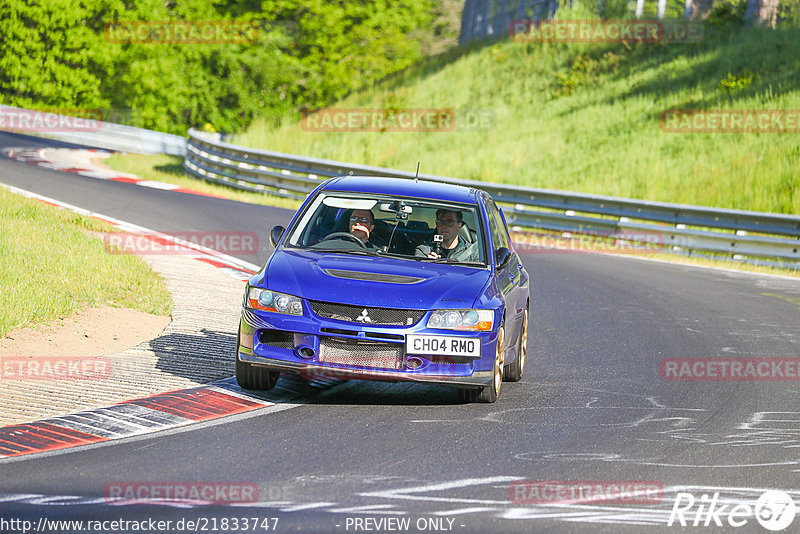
column 374, row 277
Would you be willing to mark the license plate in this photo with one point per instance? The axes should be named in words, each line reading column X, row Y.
column 443, row 345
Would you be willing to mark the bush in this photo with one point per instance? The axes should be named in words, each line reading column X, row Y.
column 728, row 13
column 55, row 54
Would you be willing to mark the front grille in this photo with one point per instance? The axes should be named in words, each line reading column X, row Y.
column 364, row 315
column 374, row 277
column 372, row 355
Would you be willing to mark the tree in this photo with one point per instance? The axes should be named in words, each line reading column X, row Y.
column 49, row 56
column 347, row 44
column 442, row 34
column 700, row 9
column 61, row 54
column 762, row 12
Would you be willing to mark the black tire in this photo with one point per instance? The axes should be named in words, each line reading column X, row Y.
column 490, row 392
column 514, row 370
column 468, row 394
column 254, row 377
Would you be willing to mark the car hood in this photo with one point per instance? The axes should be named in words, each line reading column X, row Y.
column 374, row 281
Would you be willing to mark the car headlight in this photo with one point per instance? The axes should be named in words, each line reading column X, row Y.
column 264, row 299
column 480, row 320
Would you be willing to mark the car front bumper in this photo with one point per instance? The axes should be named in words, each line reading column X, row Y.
column 316, row 347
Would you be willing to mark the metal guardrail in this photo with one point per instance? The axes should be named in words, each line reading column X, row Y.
column 90, row 132
column 678, row 227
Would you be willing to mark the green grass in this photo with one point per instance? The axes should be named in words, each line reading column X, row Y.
column 50, row 266
column 585, row 117
column 169, row 169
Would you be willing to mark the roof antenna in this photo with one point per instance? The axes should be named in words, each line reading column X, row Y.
column 416, row 178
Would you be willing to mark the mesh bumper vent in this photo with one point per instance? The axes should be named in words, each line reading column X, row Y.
column 361, row 354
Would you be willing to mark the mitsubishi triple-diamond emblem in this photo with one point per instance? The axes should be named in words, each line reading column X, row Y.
column 364, row 317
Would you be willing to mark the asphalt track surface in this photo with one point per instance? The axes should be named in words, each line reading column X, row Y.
column 591, row 407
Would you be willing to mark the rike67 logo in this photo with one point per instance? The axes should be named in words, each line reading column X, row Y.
column 774, row 511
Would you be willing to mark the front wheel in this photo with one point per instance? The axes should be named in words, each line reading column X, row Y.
column 492, row 391
column 514, row 370
column 250, row 376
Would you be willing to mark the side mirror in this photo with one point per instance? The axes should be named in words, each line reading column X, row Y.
column 276, row 234
column 501, row 257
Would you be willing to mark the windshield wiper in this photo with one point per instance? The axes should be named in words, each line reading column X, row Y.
column 454, row 261
column 358, row 251
column 399, row 255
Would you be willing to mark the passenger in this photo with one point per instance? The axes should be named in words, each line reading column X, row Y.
column 448, row 225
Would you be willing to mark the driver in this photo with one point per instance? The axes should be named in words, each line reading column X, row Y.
column 362, row 222
column 448, row 224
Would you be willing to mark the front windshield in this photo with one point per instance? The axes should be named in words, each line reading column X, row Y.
column 407, row 228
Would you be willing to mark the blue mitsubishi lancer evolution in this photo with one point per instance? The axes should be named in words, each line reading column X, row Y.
column 389, row 279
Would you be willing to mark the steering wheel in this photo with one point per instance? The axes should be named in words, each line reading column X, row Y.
column 345, row 235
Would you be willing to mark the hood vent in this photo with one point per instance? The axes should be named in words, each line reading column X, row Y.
column 374, row 277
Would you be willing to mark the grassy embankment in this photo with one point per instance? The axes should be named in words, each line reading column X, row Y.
column 585, row 117
column 579, row 117
column 51, row 267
